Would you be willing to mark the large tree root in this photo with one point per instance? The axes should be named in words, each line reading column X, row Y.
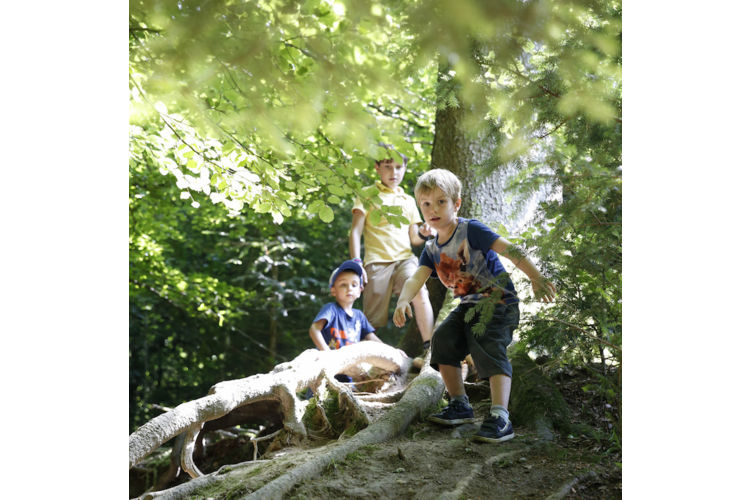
column 309, row 369
column 423, row 392
column 187, row 489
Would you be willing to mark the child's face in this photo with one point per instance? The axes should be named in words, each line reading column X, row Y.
column 346, row 289
column 438, row 209
column 391, row 173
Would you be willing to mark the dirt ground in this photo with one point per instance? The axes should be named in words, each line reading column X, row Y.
column 428, row 461
column 436, row 459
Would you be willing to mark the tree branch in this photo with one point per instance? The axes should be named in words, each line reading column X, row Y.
column 555, row 129
column 387, row 113
column 582, row 331
column 150, row 30
column 308, row 54
column 546, row 90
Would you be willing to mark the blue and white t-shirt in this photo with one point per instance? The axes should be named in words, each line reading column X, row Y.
column 467, row 265
column 341, row 328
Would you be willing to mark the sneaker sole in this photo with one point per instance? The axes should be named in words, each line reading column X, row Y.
column 451, row 422
column 493, row 440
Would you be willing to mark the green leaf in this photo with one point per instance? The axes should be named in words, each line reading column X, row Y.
column 375, row 217
column 360, row 162
column 335, row 190
column 290, row 184
column 326, row 214
column 502, row 231
column 334, row 200
column 315, row 206
column 393, row 220
column 263, row 208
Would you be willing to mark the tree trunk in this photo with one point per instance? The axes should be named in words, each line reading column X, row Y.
column 459, row 149
column 462, row 142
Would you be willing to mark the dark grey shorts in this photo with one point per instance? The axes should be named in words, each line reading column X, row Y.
column 453, row 340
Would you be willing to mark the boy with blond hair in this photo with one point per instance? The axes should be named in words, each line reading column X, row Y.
column 389, row 260
column 464, row 256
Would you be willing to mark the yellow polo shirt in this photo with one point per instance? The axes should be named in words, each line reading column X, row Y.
column 386, row 242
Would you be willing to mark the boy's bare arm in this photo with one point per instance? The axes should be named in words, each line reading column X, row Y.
column 355, row 239
column 542, row 288
column 416, row 229
column 373, row 337
column 317, row 336
column 410, row 290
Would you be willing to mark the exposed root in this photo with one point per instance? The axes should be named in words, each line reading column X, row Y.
column 255, row 442
column 347, row 402
column 391, row 397
column 186, row 457
column 322, row 412
column 458, row 491
column 424, row 391
column 185, row 490
column 281, row 385
column 565, row 488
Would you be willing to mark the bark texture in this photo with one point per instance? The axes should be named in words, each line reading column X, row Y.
column 459, row 147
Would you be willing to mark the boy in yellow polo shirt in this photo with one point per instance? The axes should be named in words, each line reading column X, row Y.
column 389, row 260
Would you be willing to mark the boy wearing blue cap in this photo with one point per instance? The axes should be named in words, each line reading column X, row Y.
column 338, row 324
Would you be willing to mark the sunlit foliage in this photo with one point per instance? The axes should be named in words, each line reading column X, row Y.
column 254, row 125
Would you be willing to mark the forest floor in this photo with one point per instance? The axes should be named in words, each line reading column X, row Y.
column 429, row 461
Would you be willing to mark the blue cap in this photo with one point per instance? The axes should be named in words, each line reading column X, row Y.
column 349, row 265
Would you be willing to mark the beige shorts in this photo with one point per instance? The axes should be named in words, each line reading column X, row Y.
column 383, row 280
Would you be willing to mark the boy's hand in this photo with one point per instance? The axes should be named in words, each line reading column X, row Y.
column 544, row 290
column 427, row 231
column 364, row 274
column 399, row 315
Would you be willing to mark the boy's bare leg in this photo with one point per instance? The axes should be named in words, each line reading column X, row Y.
column 452, row 380
column 423, row 313
column 499, row 388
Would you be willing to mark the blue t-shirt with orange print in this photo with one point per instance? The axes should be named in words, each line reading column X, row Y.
column 341, row 328
column 467, row 265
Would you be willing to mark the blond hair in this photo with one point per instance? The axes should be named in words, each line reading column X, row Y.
column 438, row 178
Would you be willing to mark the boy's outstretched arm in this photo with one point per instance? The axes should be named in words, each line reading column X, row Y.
column 542, row 288
column 317, row 336
column 416, row 229
column 410, row 290
column 355, row 239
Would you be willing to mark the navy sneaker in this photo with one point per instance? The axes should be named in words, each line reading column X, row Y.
column 455, row 413
column 494, row 430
